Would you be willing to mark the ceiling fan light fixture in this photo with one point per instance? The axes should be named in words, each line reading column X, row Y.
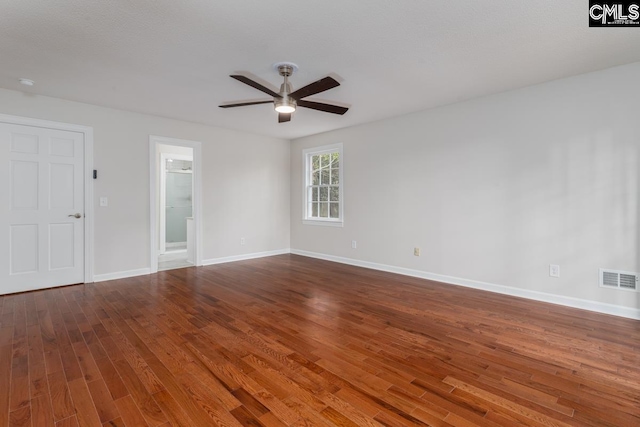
column 285, row 105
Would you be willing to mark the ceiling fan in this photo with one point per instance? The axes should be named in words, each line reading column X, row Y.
column 286, row 101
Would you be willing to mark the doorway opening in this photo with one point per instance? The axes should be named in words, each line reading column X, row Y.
column 176, row 208
column 175, row 204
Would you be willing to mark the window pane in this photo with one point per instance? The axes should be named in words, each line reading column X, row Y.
column 335, row 176
column 324, row 210
column 325, row 177
column 334, row 210
column 334, row 194
column 324, row 194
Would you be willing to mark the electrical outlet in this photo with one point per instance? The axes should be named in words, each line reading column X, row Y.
column 354, row 244
column 416, row 251
column 554, row 270
column 242, row 241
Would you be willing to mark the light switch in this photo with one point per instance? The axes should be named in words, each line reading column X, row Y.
column 104, row 201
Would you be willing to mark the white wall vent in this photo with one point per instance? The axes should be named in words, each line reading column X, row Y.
column 618, row 279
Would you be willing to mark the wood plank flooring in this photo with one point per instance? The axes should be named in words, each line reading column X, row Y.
column 293, row 341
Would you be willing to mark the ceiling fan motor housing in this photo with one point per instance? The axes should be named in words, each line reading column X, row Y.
column 285, row 89
column 285, row 104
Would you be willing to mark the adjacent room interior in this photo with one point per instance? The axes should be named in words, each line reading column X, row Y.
column 290, row 213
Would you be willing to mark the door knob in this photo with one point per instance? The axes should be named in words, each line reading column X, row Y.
column 76, row 215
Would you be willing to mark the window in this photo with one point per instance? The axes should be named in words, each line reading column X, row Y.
column 323, row 201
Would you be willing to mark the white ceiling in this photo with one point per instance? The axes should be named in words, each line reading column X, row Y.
column 172, row 58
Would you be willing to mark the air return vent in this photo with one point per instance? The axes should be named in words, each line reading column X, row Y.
column 618, row 279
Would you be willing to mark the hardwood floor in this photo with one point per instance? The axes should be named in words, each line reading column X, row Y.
column 293, row 341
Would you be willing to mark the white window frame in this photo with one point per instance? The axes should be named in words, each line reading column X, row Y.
column 306, row 181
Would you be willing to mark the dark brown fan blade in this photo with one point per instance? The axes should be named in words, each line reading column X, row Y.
column 248, row 81
column 242, row 104
column 327, row 108
column 284, row 117
column 315, row 87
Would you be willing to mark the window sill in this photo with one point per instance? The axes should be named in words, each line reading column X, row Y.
column 323, row 223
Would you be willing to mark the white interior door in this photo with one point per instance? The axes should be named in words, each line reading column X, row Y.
column 42, row 218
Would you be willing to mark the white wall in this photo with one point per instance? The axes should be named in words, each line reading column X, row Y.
column 245, row 181
column 496, row 189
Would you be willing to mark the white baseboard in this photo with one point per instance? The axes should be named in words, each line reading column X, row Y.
column 121, row 274
column 615, row 310
column 175, row 244
column 243, row 257
column 144, row 271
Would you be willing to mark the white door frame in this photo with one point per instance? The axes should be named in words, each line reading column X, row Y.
column 154, row 158
column 163, row 195
column 87, row 133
